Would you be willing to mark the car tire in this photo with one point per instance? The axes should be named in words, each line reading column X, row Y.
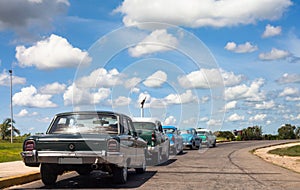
column 215, row 142
column 120, row 174
column 193, row 146
column 48, row 174
column 208, row 145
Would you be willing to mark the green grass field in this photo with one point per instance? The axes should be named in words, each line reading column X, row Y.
column 10, row 152
column 289, row 151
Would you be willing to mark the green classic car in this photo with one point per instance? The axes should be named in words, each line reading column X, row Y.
column 86, row 141
column 150, row 129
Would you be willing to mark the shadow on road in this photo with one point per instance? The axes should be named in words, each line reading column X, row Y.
column 100, row 180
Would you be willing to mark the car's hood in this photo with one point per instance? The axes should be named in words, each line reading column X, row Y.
column 186, row 137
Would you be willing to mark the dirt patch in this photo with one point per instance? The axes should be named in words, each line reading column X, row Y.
column 292, row 163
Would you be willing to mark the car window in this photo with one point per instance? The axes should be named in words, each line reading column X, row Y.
column 125, row 126
column 144, row 125
column 86, row 124
column 169, row 130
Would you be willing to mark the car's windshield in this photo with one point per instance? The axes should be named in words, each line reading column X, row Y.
column 144, row 125
column 86, row 124
column 186, row 132
column 201, row 132
column 169, row 130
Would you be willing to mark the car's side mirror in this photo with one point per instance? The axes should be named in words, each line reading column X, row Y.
column 135, row 134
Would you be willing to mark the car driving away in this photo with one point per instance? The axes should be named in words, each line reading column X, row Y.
column 208, row 138
column 150, row 129
column 87, row 141
column 176, row 140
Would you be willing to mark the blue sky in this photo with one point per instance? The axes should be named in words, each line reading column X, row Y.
column 222, row 65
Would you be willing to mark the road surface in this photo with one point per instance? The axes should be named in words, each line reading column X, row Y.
column 228, row 166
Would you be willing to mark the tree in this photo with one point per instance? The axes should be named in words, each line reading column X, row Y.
column 5, row 128
column 287, row 131
column 297, row 132
column 252, row 133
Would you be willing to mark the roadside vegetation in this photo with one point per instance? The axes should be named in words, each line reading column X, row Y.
column 286, row 131
column 288, row 151
column 10, row 151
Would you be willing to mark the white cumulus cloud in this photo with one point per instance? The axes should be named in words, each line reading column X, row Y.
column 289, row 91
column 157, row 79
column 241, row 48
column 54, row 88
column 265, row 105
column 195, row 13
column 231, row 105
column 157, row 41
column 274, row 54
column 24, row 113
column 79, row 96
column 29, row 97
column 258, row 117
column 250, row 93
column 289, row 78
column 100, row 78
column 183, row 98
column 235, row 117
column 51, row 53
column 171, row 120
column 120, row 101
column 209, row 78
column 271, row 31
column 5, row 79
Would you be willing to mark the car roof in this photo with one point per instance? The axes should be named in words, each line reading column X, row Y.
column 91, row 112
column 202, row 130
column 145, row 119
column 169, row 127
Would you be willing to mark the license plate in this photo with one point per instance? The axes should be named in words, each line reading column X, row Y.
column 70, row 160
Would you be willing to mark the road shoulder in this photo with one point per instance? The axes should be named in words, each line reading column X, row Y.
column 291, row 163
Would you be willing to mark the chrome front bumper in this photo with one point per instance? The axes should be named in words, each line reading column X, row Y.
column 73, row 157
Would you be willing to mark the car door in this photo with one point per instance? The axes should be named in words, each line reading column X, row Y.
column 129, row 140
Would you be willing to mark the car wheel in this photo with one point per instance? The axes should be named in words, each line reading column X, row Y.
column 215, row 142
column 193, row 146
column 142, row 169
column 48, row 174
column 120, row 174
column 208, row 144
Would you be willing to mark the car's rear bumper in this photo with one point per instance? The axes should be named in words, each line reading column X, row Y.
column 73, row 157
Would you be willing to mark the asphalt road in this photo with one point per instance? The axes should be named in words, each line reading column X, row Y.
column 228, row 166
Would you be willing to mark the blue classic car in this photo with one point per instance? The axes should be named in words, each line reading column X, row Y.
column 176, row 140
column 190, row 138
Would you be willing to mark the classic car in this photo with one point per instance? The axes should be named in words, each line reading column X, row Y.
column 86, row 141
column 190, row 138
column 150, row 129
column 208, row 138
column 176, row 140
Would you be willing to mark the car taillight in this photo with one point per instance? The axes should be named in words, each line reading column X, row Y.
column 113, row 145
column 153, row 139
column 173, row 138
column 29, row 145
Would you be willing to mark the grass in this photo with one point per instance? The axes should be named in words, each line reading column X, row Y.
column 288, row 151
column 10, row 152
